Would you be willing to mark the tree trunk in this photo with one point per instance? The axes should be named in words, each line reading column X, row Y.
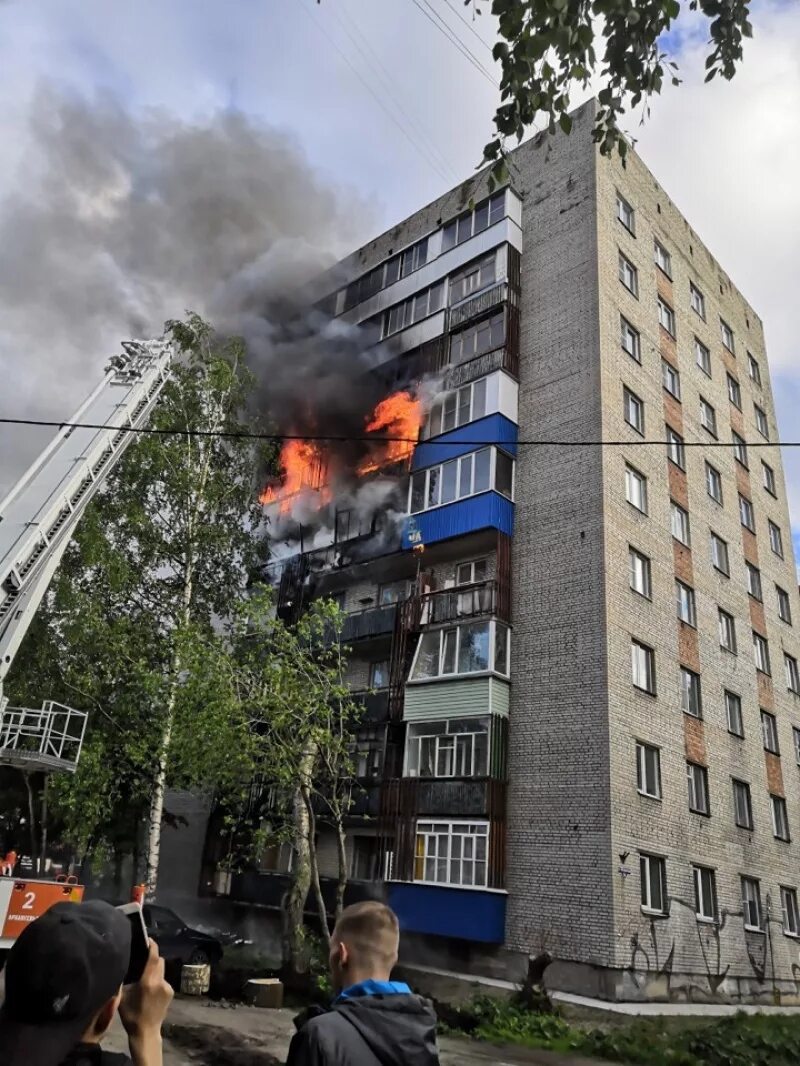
column 315, row 882
column 341, row 849
column 44, row 821
column 157, row 800
column 294, row 953
column 32, row 824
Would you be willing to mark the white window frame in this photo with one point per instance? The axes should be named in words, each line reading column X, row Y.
column 768, row 479
column 769, row 732
column 434, row 302
column 761, row 653
column 743, row 809
column 691, row 692
column 747, row 515
column 754, row 369
column 679, row 521
column 754, row 588
column 751, row 904
column 702, row 356
column 643, row 667
column 727, row 631
column 494, row 209
column 780, row 818
column 663, row 259
column 676, row 452
column 473, row 279
column 628, row 275
column 457, row 629
column 762, row 424
column 497, row 321
column 697, row 783
column 796, row 740
column 635, row 479
column 470, row 458
column 626, row 214
column 728, row 338
column 454, row 751
column 633, row 409
column 685, row 599
column 428, row 829
column 706, row 906
column 720, row 557
column 775, row 538
column 733, row 713
column 630, row 334
column 789, row 911
column 666, row 317
column 708, row 417
column 651, row 867
column 697, row 300
column 792, row 673
column 671, row 379
column 714, row 483
column 434, row 424
column 784, row 605
column 640, row 573
column 648, row 770
column 734, row 391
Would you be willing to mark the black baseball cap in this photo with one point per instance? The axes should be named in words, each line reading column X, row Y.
column 59, row 973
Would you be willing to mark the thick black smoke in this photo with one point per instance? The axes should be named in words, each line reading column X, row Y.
column 120, row 222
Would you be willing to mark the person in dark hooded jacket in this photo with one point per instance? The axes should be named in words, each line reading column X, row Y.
column 373, row 1021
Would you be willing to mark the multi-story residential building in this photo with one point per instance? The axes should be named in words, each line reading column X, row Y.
column 578, row 650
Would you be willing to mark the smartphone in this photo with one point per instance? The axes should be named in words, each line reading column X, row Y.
column 140, row 942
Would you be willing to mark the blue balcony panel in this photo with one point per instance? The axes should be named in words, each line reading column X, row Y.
column 489, row 510
column 493, row 429
column 465, row 913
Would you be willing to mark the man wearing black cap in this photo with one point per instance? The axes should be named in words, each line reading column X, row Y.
column 64, row 980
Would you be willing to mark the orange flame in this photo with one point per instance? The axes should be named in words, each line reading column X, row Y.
column 399, row 415
column 304, row 470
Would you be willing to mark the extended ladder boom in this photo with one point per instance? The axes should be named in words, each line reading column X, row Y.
column 38, row 517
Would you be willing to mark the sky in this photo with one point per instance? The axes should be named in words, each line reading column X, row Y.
column 374, row 103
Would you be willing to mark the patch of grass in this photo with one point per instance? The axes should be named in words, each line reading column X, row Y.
column 741, row 1040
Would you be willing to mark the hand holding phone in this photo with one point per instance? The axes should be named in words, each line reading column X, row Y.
column 140, row 942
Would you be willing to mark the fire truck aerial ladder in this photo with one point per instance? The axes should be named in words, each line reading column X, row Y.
column 37, row 520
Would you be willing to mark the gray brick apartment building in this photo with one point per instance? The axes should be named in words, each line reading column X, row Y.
column 582, row 700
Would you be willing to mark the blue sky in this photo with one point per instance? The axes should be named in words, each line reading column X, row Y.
column 728, row 154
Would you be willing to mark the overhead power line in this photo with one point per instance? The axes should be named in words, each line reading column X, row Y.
column 444, row 28
column 374, row 438
column 471, row 29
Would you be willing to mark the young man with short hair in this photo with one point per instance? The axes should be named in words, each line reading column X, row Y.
column 373, row 1021
column 64, row 980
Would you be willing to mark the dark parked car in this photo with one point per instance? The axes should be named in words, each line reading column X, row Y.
column 176, row 941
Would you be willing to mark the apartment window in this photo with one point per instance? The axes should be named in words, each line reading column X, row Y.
column 753, row 369
column 474, row 277
column 713, row 482
column 477, row 339
column 367, row 754
column 739, row 448
column 467, row 225
column 472, row 572
column 784, row 605
column 761, row 421
column 796, row 739
column 640, row 576
column 708, row 417
column 734, row 391
column 379, row 674
column 643, row 667
column 727, row 336
column 393, row 592
column 636, row 488
column 679, row 520
column 468, row 648
column 697, row 780
column 698, row 301
column 769, row 478
column 727, row 632
column 451, row 853
column 791, row 916
column 653, row 873
column 792, row 673
column 675, row 448
column 691, row 697
column 780, row 818
column 705, row 894
column 769, row 732
column 663, row 259
column 775, row 539
column 458, row 478
column 686, row 606
column 630, row 339
column 648, row 770
column 746, row 513
column 634, row 410
column 702, row 356
column 456, row 747
column 761, row 652
column 628, row 275
column 671, row 379
column 414, row 309
column 751, row 903
column 666, row 317
column 742, row 807
column 754, row 581
column 626, row 214
column 719, row 554
column 364, row 860
column 733, row 713
column 466, row 404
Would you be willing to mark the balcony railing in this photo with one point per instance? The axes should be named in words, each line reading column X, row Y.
column 369, row 624
column 269, row 890
column 479, row 304
column 375, row 704
column 454, row 797
column 467, row 601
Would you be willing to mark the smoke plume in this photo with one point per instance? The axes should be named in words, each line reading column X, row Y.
column 119, row 222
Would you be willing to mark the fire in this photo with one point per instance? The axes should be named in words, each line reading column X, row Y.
column 304, row 470
column 399, row 416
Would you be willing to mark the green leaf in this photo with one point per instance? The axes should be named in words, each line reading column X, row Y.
column 565, row 122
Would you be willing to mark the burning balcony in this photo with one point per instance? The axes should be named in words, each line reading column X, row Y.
column 370, row 624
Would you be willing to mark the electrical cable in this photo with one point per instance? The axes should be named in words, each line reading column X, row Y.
column 471, row 29
column 436, row 20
